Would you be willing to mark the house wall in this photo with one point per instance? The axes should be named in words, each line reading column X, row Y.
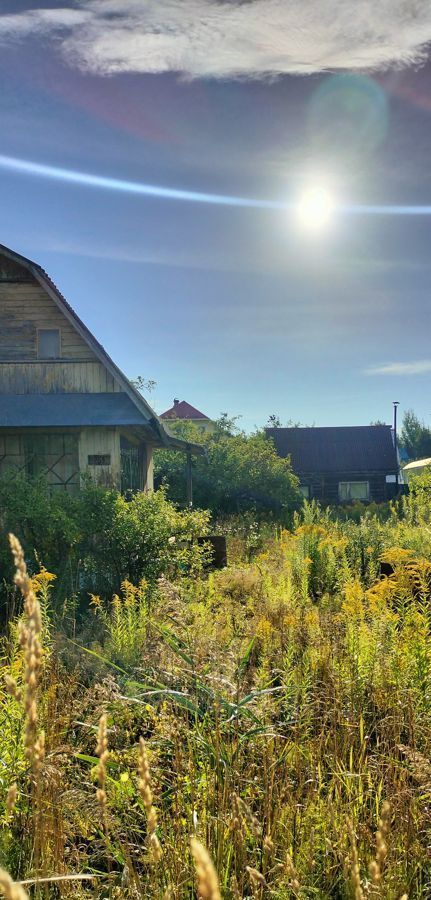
column 100, row 442
column 56, row 377
column 325, row 487
column 35, row 451
column 23, row 309
column 63, row 456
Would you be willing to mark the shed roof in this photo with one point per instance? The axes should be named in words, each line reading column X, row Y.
column 347, row 449
column 183, row 410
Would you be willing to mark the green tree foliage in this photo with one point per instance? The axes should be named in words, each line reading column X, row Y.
column 239, row 472
column 95, row 539
column 415, row 437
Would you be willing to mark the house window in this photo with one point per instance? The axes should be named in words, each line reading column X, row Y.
column 48, row 343
column 305, row 490
column 99, row 459
column 353, row 490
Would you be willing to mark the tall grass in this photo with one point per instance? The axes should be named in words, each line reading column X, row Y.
column 261, row 732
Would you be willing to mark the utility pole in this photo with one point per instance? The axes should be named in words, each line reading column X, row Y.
column 395, row 405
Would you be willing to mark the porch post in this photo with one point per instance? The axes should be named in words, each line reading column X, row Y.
column 189, row 481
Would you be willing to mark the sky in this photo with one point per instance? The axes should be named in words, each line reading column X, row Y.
column 232, row 305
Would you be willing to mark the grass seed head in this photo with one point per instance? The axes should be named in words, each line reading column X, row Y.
column 10, row 889
column 144, row 785
column 11, row 799
column 30, row 631
column 103, row 754
column 377, row 864
column 208, row 885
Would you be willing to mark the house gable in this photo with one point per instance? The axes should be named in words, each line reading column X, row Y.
column 29, row 301
column 27, row 309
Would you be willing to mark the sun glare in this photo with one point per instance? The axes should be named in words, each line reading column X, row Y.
column 315, row 208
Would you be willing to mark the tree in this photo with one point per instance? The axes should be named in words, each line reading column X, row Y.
column 274, row 421
column 143, row 385
column 415, row 437
column 239, row 472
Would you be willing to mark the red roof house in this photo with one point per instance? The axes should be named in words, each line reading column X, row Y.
column 185, row 412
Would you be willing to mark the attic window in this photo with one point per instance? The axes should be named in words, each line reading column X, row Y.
column 99, row 459
column 48, row 343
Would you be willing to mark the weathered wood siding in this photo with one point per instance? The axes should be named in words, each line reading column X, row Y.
column 62, row 457
column 33, row 452
column 56, row 377
column 324, row 488
column 23, row 309
column 99, row 442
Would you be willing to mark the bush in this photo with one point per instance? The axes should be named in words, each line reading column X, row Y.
column 239, row 473
column 95, row 540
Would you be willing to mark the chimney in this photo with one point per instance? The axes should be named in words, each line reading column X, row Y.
column 176, row 402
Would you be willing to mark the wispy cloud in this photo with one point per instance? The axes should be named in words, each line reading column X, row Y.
column 419, row 367
column 234, row 38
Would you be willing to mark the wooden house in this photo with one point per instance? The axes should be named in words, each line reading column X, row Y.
column 66, row 409
column 341, row 465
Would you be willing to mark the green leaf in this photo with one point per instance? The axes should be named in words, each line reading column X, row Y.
column 244, row 661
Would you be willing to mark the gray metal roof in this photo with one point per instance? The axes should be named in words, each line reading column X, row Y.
column 355, row 448
column 62, row 410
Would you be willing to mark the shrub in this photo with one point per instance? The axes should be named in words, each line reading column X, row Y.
column 95, row 540
column 239, row 473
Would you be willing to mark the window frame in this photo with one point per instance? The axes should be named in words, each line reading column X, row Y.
column 99, row 460
column 348, row 498
column 44, row 330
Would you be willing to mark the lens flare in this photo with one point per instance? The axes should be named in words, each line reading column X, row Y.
column 317, row 205
column 316, row 208
column 26, row 167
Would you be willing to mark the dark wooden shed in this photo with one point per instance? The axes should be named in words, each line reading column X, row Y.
column 341, row 464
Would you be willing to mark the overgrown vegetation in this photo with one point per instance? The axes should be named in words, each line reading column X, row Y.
column 95, row 540
column 264, row 717
column 415, row 437
column 240, row 472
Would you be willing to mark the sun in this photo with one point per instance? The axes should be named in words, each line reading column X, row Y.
column 315, row 208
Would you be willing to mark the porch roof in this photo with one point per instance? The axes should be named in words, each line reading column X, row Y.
column 80, row 411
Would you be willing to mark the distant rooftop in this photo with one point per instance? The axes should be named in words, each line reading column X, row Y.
column 356, row 448
column 183, row 410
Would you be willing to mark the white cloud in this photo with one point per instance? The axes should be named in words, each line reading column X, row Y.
column 234, row 38
column 420, row 367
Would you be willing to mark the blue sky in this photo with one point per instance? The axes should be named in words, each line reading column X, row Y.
column 233, row 309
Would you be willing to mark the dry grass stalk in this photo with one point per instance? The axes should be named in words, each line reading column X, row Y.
column 10, row 889
column 355, row 873
column 103, row 754
column 11, row 800
column 208, row 885
column 234, row 888
column 12, row 687
column 419, row 765
column 256, row 877
column 377, row 864
column 291, row 872
column 244, row 817
column 144, row 785
column 30, row 641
